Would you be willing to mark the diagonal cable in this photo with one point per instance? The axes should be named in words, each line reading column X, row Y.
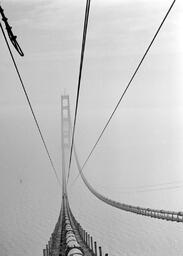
column 128, row 85
column 87, row 10
column 30, row 105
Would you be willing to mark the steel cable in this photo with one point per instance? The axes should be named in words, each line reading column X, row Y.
column 30, row 105
column 128, row 85
column 87, row 10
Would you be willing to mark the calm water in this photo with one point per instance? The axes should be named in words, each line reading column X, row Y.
column 29, row 213
column 29, row 209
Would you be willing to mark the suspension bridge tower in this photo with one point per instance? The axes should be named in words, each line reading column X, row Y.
column 68, row 237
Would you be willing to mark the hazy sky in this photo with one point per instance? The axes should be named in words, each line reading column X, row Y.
column 119, row 31
column 148, row 124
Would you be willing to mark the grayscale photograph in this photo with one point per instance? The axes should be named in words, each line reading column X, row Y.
column 91, row 128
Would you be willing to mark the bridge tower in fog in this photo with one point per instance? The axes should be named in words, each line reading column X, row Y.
column 68, row 237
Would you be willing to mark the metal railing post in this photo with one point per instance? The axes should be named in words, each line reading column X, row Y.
column 95, row 244
column 100, row 251
column 91, row 243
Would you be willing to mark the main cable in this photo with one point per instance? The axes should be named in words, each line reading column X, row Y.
column 30, row 105
column 144, row 211
column 87, row 10
column 128, row 85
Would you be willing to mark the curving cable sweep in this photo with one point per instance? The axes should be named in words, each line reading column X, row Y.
column 153, row 213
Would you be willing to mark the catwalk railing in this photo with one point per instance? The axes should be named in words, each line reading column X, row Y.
column 153, row 213
column 69, row 235
column 87, row 238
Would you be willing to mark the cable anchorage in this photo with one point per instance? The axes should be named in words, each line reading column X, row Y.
column 12, row 37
